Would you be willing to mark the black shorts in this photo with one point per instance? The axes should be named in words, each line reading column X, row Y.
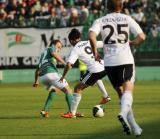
column 120, row 74
column 91, row 78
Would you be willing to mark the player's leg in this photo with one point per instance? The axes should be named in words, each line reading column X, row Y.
column 126, row 99
column 48, row 103
column 87, row 80
column 68, row 96
column 128, row 85
column 77, row 95
column 52, row 93
column 96, row 78
column 64, row 87
column 135, row 127
column 105, row 96
column 75, row 101
column 119, row 77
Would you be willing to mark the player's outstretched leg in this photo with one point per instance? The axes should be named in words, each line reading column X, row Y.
column 105, row 96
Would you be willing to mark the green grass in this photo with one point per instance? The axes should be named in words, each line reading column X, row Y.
column 20, row 105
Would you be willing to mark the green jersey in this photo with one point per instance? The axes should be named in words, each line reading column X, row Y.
column 46, row 64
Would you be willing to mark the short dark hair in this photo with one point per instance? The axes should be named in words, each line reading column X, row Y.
column 114, row 5
column 74, row 34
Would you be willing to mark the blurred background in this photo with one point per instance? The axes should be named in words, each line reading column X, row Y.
column 27, row 26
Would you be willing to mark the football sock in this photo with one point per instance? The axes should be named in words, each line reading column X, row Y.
column 102, row 88
column 49, row 100
column 75, row 102
column 131, row 119
column 126, row 103
column 69, row 98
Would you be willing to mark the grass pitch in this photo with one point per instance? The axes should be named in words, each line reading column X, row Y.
column 20, row 105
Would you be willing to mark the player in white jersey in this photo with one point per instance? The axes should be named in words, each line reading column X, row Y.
column 115, row 30
column 95, row 70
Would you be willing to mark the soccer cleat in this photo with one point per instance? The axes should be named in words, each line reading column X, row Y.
column 104, row 100
column 77, row 114
column 137, row 131
column 68, row 115
column 125, row 124
column 44, row 114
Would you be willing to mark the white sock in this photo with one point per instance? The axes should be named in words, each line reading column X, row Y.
column 126, row 103
column 132, row 120
column 75, row 102
column 102, row 88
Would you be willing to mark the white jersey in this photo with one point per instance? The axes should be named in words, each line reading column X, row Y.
column 115, row 30
column 82, row 51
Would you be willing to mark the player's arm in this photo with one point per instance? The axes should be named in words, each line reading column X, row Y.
column 137, row 31
column 94, row 31
column 139, row 39
column 93, row 42
column 66, row 69
column 36, row 78
column 58, row 57
column 71, row 60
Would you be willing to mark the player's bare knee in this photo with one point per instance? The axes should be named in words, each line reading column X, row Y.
column 128, row 86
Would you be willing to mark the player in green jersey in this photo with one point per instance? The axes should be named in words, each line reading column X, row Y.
column 49, row 76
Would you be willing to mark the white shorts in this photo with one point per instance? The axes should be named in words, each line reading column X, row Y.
column 51, row 80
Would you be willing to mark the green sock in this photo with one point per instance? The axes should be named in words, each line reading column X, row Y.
column 49, row 100
column 69, row 98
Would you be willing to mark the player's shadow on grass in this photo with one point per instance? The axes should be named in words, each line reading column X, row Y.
column 150, row 131
column 18, row 117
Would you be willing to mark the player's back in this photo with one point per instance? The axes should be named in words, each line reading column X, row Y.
column 46, row 64
column 115, row 31
column 84, row 52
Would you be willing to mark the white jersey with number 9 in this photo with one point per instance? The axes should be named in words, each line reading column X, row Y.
column 82, row 50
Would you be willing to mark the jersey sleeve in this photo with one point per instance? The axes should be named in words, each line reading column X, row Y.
column 52, row 49
column 96, row 27
column 73, row 56
column 134, row 27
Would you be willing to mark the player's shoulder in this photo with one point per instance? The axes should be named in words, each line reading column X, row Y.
column 115, row 15
column 81, row 44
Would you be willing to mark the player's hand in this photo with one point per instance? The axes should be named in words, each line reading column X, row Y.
column 35, row 85
column 61, row 79
column 97, row 57
column 131, row 43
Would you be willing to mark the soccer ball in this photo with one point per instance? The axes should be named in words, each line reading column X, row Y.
column 98, row 111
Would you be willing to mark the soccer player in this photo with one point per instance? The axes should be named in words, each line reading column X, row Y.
column 115, row 30
column 50, row 76
column 95, row 70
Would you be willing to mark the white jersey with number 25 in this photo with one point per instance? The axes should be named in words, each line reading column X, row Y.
column 115, row 30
